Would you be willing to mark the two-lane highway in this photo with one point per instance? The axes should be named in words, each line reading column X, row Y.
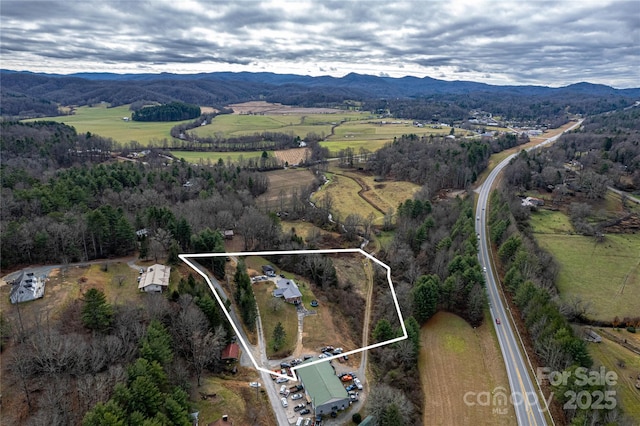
column 528, row 403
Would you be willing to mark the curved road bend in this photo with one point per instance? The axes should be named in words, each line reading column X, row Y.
column 526, row 400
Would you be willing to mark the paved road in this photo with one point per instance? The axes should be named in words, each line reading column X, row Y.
column 523, row 391
column 258, row 353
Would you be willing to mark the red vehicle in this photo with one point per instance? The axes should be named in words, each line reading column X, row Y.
column 346, row 378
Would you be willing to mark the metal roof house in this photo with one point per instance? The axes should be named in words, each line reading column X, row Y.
column 27, row 287
column 155, row 279
column 324, row 388
column 288, row 290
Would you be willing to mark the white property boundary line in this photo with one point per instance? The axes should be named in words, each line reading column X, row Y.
column 185, row 258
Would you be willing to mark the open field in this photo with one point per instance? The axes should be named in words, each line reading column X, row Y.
column 196, row 157
column 610, row 354
column 344, row 194
column 606, row 274
column 384, row 195
column 281, row 185
column 293, row 156
column 108, row 122
column 299, row 122
column 455, row 359
column 263, row 107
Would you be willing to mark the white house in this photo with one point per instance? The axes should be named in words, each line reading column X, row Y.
column 27, row 287
column 155, row 279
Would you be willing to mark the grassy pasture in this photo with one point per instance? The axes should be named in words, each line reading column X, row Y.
column 455, row 359
column 344, row 193
column 298, row 124
column 284, row 181
column 385, row 195
column 606, row 274
column 108, row 122
column 213, row 157
column 609, row 354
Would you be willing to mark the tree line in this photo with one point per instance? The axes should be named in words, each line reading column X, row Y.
column 173, row 111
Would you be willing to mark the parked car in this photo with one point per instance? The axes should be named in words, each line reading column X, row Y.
column 314, row 303
column 350, row 387
column 305, row 411
column 306, row 357
column 299, row 407
column 322, row 356
column 255, row 384
column 338, row 350
column 356, row 382
column 281, row 380
column 284, row 402
column 296, row 396
column 285, row 365
column 346, row 378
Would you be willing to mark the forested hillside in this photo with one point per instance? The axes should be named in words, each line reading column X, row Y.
column 65, row 200
column 408, row 97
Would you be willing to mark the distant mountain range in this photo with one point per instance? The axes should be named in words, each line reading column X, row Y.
column 222, row 88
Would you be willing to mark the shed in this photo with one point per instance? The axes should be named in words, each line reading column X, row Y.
column 324, row 388
column 228, row 234
column 155, row 279
column 231, row 352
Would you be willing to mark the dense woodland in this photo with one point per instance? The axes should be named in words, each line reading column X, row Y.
column 56, row 213
column 173, row 111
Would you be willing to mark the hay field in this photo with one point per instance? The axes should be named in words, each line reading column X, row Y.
column 605, row 274
column 108, row 122
column 455, row 359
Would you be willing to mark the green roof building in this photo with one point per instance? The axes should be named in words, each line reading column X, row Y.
column 323, row 388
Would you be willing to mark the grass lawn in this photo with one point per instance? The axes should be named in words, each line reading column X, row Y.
column 108, row 122
column 286, row 314
column 455, row 359
column 606, row 274
column 609, row 354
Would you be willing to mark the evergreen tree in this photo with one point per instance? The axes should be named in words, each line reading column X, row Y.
column 97, row 314
column 279, row 336
column 426, row 295
column 383, row 331
column 156, row 344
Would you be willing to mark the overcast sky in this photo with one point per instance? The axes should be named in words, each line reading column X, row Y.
column 497, row 42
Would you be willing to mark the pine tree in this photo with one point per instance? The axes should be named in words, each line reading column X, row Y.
column 97, row 314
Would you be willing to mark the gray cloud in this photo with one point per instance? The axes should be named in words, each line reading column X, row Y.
column 510, row 42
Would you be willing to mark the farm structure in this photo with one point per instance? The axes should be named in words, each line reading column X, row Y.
column 27, row 287
column 323, row 388
column 231, row 353
column 288, row 290
column 155, row 279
